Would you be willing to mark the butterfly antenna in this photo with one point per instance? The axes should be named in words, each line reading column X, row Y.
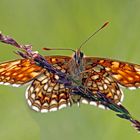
column 48, row 49
column 83, row 43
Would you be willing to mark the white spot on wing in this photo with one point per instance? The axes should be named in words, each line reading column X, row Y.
column 93, row 103
column 122, row 97
column 45, row 87
column 45, row 104
column 26, row 93
column 84, row 101
column 53, row 109
column 44, row 81
column 119, row 103
column 101, row 106
column 29, row 102
column 35, row 108
column 33, row 96
column 131, row 88
column 44, row 110
column 15, row 85
column 1, row 83
column 50, row 89
column 56, row 77
column 53, row 102
column 62, row 106
column 6, row 84
column 31, row 89
column 137, row 68
column 41, row 78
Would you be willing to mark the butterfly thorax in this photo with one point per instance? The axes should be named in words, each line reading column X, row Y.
column 76, row 66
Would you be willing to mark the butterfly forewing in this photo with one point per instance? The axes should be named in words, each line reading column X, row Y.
column 125, row 74
column 59, row 62
column 18, row 72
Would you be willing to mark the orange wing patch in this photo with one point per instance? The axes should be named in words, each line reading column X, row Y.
column 45, row 94
column 18, row 72
column 58, row 62
column 98, row 80
column 126, row 74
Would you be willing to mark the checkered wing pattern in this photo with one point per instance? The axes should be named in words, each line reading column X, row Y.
column 45, row 94
column 98, row 80
column 126, row 74
column 18, row 72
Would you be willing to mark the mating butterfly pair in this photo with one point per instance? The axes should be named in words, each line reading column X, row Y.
column 95, row 74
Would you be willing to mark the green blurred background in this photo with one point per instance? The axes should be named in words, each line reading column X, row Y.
column 65, row 24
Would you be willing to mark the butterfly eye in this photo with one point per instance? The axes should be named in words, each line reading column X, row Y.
column 75, row 56
column 81, row 54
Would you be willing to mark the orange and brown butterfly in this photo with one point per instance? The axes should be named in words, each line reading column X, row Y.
column 96, row 74
column 45, row 93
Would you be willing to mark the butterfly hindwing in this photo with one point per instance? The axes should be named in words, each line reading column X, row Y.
column 45, row 94
column 98, row 80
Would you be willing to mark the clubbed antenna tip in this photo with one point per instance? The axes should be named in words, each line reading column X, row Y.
column 94, row 33
column 105, row 24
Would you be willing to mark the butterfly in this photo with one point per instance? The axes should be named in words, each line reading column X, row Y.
column 45, row 93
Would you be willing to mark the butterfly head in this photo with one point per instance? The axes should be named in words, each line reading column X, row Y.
column 78, row 57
